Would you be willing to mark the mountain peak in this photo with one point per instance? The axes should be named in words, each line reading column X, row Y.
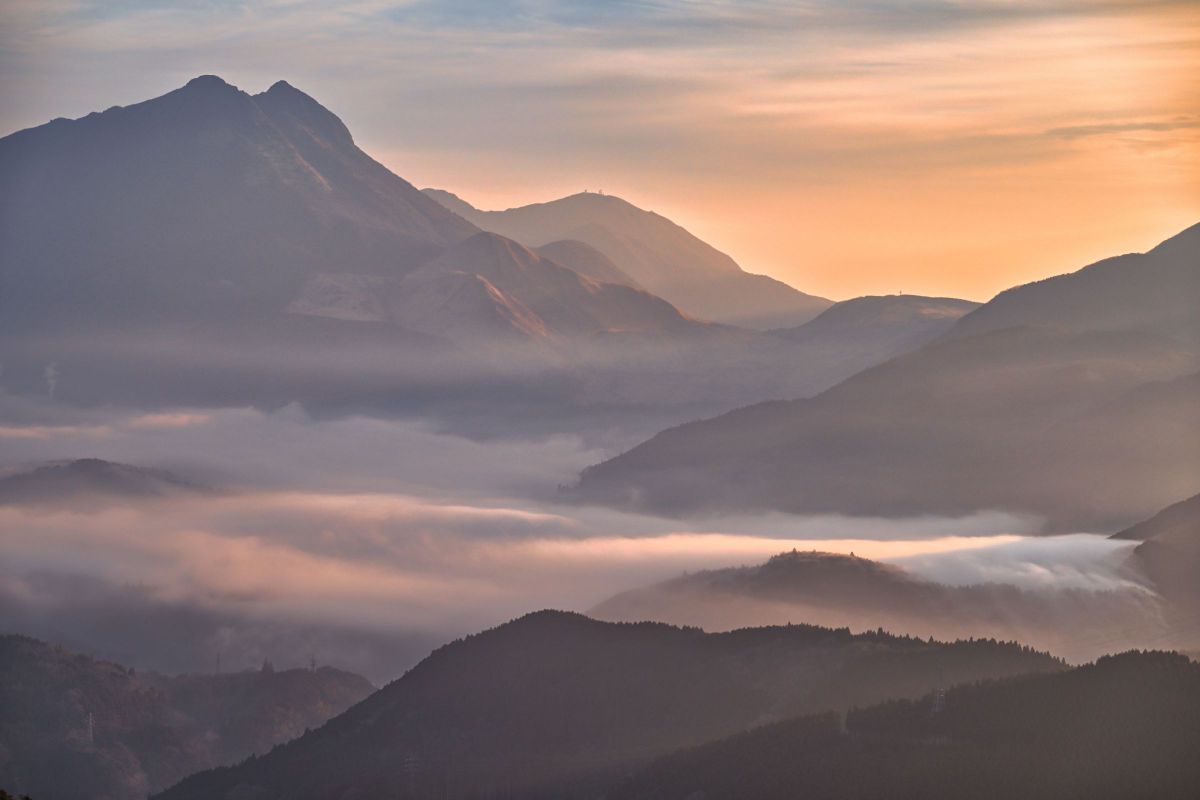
column 286, row 100
column 282, row 86
column 282, row 90
column 209, row 83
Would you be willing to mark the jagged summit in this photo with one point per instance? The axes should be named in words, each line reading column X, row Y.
column 284, row 99
column 228, row 203
column 283, row 86
column 209, row 82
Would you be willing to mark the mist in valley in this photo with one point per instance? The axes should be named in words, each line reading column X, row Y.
column 386, row 537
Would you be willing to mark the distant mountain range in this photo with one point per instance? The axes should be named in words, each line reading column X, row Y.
column 247, row 239
column 866, row 331
column 75, row 728
column 1013, row 408
column 839, row 590
column 655, row 252
column 1120, row 728
column 556, row 704
column 209, row 204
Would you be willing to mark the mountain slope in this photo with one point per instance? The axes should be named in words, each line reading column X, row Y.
column 587, row 261
column 1122, row 727
column 660, row 255
column 1177, row 522
column 77, row 728
column 838, row 590
column 488, row 287
column 1034, row 420
column 1169, row 556
column 1154, row 291
column 558, row 697
column 204, row 203
column 549, row 297
column 866, row 331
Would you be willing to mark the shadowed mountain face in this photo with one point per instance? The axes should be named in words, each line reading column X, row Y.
column 1122, row 727
column 837, row 590
column 76, row 728
column 556, row 697
column 204, row 203
column 1035, row 419
column 661, row 256
column 90, row 481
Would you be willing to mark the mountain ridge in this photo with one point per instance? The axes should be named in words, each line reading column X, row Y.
column 78, row 727
column 659, row 254
column 556, row 697
column 968, row 413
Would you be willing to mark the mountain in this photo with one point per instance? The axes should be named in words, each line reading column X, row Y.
column 204, row 204
column 1122, row 727
column 526, row 292
column 488, row 287
column 1154, row 291
column 74, row 727
column 838, row 590
column 88, row 481
column 866, row 331
column 1179, row 522
column 1169, row 556
column 1036, row 420
column 556, row 698
column 660, row 255
column 906, row 319
column 230, row 248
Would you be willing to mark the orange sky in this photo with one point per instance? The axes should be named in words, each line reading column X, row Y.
column 847, row 147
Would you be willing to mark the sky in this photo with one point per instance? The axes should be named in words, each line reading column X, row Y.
column 847, row 147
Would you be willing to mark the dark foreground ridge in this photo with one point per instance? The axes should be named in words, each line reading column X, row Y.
column 560, row 703
column 1127, row 726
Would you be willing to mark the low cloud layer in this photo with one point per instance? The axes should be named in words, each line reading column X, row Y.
column 370, row 540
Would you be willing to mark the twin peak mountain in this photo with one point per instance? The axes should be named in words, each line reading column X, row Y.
column 208, row 204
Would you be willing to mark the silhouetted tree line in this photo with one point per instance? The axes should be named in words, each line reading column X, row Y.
column 1127, row 726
